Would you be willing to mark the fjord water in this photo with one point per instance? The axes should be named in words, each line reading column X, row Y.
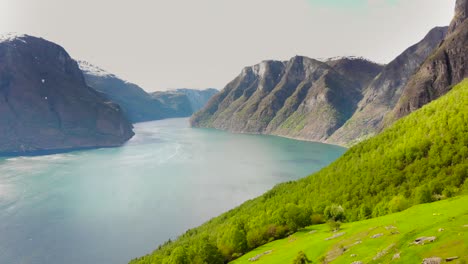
column 110, row 205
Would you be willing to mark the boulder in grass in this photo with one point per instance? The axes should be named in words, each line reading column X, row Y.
column 451, row 259
column 424, row 240
column 433, row 260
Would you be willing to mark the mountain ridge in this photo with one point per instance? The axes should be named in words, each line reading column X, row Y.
column 444, row 68
column 385, row 90
column 47, row 106
column 138, row 104
column 264, row 97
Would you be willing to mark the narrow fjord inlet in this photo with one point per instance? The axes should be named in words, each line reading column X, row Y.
column 115, row 204
column 234, row 132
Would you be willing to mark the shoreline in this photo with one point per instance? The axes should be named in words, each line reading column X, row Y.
column 46, row 152
column 273, row 135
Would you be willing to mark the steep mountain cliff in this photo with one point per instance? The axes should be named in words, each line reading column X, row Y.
column 140, row 106
column 302, row 98
column 339, row 101
column 445, row 67
column 384, row 91
column 46, row 105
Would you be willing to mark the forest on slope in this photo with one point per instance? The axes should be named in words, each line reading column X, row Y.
column 421, row 158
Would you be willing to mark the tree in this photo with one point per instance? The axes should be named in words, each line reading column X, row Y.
column 301, row 258
column 178, row 256
column 423, row 195
column 365, row 212
column 295, row 217
column 334, row 213
column 207, row 252
column 232, row 241
column 398, row 204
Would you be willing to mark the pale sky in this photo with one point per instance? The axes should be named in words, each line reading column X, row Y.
column 165, row 44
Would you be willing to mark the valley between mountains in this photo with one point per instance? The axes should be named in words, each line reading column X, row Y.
column 398, row 194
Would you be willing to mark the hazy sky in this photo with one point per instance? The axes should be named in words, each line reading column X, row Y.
column 163, row 44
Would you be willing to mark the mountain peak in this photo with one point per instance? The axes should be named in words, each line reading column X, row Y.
column 461, row 11
column 336, row 58
column 261, row 68
column 92, row 69
column 11, row 36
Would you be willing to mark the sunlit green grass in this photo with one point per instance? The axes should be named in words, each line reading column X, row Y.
column 422, row 220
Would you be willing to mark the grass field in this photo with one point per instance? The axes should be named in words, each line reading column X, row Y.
column 446, row 220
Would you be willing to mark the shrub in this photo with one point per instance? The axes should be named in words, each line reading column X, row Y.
column 301, row 258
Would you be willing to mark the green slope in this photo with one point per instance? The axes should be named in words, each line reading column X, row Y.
column 421, row 158
column 399, row 231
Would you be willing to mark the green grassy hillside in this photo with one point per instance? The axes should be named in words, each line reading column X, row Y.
column 421, row 158
column 446, row 220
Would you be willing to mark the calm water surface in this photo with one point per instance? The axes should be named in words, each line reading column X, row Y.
column 107, row 206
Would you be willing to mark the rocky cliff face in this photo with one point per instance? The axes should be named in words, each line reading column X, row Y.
column 383, row 92
column 445, row 67
column 140, row 106
column 46, row 105
column 301, row 98
column 339, row 101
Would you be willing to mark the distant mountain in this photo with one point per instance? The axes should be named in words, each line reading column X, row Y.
column 140, row 106
column 135, row 102
column 184, row 102
column 385, row 90
column 445, row 67
column 45, row 104
column 301, row 98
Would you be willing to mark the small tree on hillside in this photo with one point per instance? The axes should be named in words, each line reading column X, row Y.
column 301, row 258
column 334, row 214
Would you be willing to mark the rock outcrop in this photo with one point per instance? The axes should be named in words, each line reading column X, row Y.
column 301, row 98
column 382, row 94
column 46, row 105
column 445, row 67
column 339, row 101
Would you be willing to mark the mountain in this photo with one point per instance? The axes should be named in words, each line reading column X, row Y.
column 137, row 104
column 444, row 68
column 385, row 90
column 419, row 159
column 339, row 100
column 301, row 98
column 46, row 105
column 184, row 102
column 140, row 106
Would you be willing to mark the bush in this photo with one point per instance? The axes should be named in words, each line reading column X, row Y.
column 334, row 225
column 365, row 212
column 423, row 195
column 301, row 258
column 398, row 204
column 317, row 219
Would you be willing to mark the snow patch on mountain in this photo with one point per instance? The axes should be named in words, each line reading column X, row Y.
column 91, row 69
column 11, row 36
